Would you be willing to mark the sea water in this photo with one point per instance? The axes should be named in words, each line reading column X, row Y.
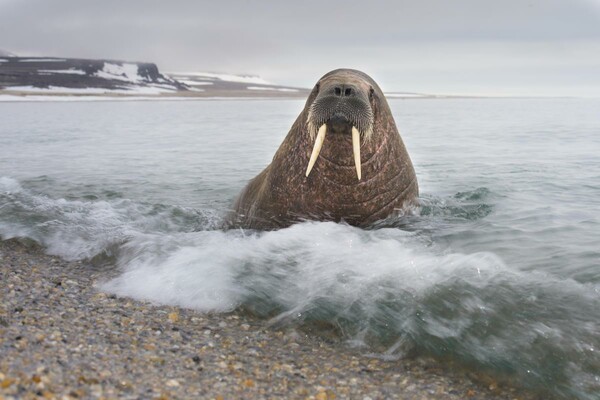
column 498, row 269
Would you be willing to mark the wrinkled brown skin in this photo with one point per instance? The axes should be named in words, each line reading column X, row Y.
column 282, row 195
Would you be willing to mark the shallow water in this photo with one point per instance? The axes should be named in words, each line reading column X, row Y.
column 499, row 269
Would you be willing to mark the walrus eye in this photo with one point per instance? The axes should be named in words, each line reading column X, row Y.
column 371, row 93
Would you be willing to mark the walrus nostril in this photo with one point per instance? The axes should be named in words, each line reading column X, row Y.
column 343, row 91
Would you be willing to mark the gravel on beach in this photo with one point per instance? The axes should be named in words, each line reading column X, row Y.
column 60, row 337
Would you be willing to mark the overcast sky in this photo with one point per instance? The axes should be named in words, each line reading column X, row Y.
column 523, row 47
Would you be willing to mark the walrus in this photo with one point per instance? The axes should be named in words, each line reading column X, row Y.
column 342, row 160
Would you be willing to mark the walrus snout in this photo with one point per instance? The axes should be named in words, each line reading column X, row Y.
column 341, row 112
column 340, row 108
column 339, row 124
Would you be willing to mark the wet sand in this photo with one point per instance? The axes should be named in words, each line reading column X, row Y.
column 62, row 338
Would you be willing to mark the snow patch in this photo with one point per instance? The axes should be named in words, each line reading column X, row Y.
column 42, row 60
column 223, row 77
column 64, row 90
column 165, row 79
column 126, row 72
column 63, row 71
column 48, row 98
column 194, row 83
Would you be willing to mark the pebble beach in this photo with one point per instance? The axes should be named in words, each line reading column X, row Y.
column 61, row 338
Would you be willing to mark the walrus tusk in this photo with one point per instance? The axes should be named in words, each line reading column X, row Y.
column 356, row 148
column 317, row 148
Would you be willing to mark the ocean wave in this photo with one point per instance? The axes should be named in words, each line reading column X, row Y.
column 387, row 290
column 380, row 288
column 82, row 229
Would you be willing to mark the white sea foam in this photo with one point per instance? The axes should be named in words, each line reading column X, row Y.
column 76, row 229
column 9, row 185
column 294, row 267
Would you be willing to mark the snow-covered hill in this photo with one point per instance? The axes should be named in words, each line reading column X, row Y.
column 80, row 76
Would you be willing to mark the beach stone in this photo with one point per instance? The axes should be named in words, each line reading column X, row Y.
column 172, row 383
column 174, row 317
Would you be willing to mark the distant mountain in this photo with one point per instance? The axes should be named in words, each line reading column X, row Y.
column 227, row 85
column 68, row 76
column 80, row 76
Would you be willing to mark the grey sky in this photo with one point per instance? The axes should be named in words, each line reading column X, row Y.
column 530, row 47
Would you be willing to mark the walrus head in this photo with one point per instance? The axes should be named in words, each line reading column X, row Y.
column 345, row 131
column 342, row 105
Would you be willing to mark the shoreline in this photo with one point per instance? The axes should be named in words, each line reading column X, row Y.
column 7, row 95
column 62, row 338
